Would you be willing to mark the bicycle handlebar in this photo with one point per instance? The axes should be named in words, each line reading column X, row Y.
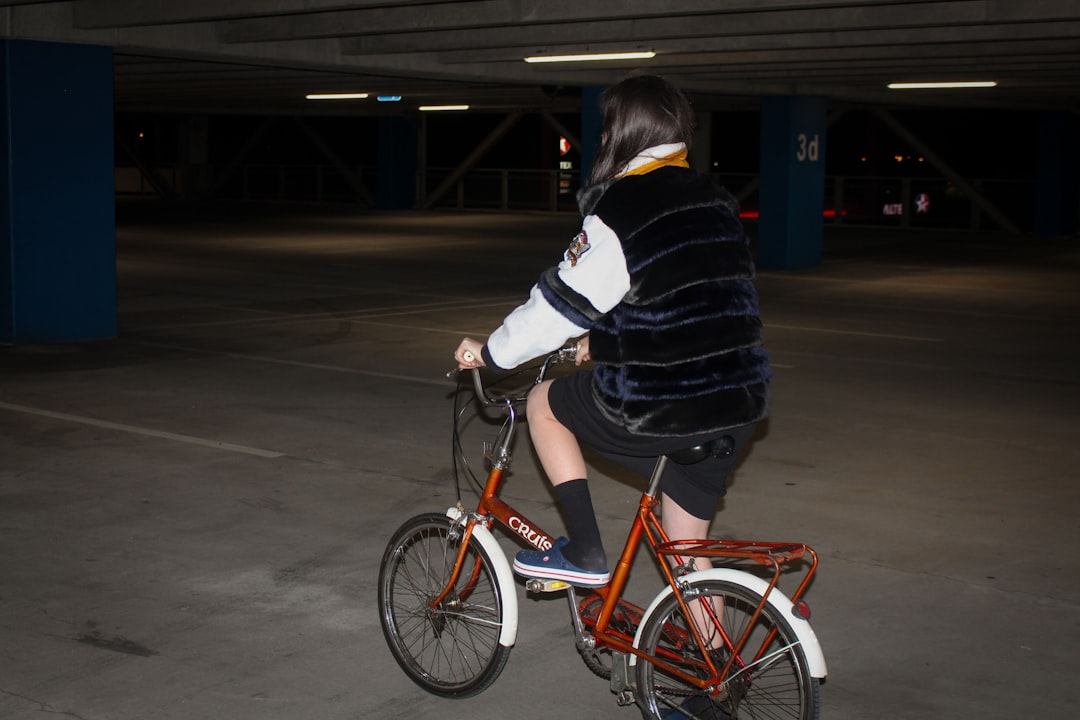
column 564, row 354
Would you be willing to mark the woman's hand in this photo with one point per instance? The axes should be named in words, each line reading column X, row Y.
column 468, row 354
column 582, row 354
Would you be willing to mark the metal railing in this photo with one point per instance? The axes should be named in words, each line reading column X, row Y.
column 884, row 201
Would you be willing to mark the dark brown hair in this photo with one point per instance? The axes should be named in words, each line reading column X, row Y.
column 638, row 113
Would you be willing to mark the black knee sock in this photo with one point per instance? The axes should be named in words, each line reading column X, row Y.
column 585, row 549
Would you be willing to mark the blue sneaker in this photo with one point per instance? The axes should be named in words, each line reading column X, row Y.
column 551, row 565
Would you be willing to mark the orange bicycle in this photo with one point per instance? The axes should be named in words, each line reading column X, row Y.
column 718, row 643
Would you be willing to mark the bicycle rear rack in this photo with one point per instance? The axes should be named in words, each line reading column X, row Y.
column 769, row 554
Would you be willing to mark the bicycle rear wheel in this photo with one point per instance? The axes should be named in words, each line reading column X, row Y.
column 769, row 679
column 451, row 649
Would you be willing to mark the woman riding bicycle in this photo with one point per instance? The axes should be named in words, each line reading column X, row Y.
column 660, row 282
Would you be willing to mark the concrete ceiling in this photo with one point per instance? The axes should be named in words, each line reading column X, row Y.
column 263, row 56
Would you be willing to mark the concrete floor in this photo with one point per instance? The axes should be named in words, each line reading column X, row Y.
column 192, row 515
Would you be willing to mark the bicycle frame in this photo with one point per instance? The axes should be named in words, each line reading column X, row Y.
column 675, row 559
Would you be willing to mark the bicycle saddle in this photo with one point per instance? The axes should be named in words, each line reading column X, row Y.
column 721, row 447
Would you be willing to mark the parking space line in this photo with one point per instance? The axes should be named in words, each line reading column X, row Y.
column 887, row 336
column 302, row 364
column 136, row 430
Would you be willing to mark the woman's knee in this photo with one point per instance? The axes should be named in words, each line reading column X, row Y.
column 538, row 408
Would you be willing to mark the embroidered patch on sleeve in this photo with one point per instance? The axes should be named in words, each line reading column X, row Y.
column 578, row 247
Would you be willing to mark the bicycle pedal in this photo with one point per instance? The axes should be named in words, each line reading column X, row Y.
column 537, row 585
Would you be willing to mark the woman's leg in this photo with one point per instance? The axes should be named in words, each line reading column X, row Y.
column 560, row 455
column 558, row 449
column 680, row 525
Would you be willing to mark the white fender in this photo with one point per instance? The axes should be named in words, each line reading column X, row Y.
column 815, row 658
column 504, row 579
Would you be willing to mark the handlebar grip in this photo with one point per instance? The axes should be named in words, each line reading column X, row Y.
column 467, row 356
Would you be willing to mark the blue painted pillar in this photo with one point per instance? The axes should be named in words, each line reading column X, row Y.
column 58, row 238
column 1057, row 186
column 592, row 125
column 792, row 193
column 397, row 163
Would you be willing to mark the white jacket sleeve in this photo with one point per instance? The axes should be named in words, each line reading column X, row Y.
column 594, row 272
column 531, row 330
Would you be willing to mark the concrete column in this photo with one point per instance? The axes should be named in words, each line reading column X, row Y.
column 592, row 125
column 58, row 244
column 1057, row 191
column 398, row 148
column 792, row 195
column 193, row 155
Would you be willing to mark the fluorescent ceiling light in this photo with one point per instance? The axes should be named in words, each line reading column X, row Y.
column 336, row 96
column 941, row 85
column 644, row 55
column 437, row 108
column 389, row 98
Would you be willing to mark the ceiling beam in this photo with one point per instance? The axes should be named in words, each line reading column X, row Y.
column 91, row 14
column 1051, row 35
column 708, row 32
column 476, row 31
column 481, row 14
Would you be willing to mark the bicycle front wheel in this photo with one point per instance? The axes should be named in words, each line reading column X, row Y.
column 769, row 679
column 451, row 648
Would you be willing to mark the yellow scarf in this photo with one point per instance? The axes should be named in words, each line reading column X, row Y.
column 677, row 158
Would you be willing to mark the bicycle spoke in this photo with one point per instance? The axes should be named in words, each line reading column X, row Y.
column 451, row 648
column 774, row 686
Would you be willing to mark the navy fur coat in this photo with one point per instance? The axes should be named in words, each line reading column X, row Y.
column 682, row 353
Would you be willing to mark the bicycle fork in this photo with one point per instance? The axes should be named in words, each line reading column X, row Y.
column 500, row 566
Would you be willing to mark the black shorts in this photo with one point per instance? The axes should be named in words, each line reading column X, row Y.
column 695, row 488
